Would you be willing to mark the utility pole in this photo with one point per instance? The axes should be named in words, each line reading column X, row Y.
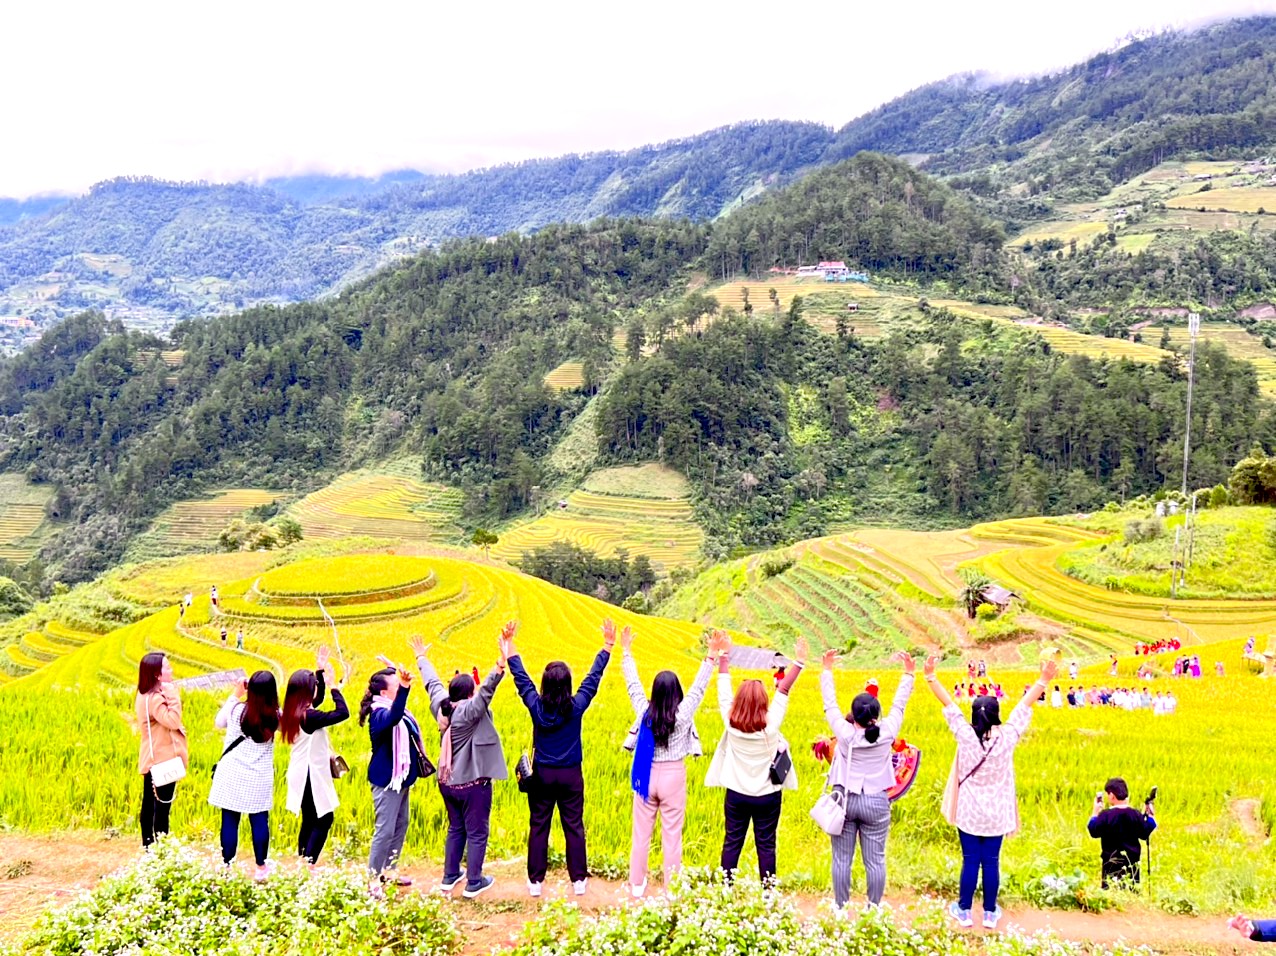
column 1174, row 567
column 1193, row 329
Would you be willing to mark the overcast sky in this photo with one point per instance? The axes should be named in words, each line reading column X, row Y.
column 242, row 89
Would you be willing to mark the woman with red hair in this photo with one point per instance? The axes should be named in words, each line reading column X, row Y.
column 747, row 762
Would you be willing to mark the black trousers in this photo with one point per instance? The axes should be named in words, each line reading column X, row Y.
column 764, row 814
column 314, row 828
column 469, row 814
column 156, row 803
column 1120, row 870
column 564, row 788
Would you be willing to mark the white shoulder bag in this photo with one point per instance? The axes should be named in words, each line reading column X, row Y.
column 167, row 771
column 829, row 812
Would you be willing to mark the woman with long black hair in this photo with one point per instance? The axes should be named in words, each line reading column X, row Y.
column 244, row 779
column 557, row 779
column 661, row 739
column 303, row 725
column 980, row 798
column 398, row 762
column 159, row 716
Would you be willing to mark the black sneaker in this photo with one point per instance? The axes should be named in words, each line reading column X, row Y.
column 449, row 883
column 474, row 889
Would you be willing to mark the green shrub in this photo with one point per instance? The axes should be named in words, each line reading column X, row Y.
column 775, row 565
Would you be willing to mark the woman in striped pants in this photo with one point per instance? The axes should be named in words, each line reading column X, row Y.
column 862, row 770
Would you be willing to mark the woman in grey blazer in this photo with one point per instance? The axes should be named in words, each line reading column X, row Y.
column 470, row 758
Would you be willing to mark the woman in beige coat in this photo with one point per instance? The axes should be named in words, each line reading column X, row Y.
column 159, row 717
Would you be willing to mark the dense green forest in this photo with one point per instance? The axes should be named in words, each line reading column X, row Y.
column 444, row 355
column 873, row 210
column 782, row 429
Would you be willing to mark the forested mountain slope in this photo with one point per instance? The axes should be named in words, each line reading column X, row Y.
column 159, row 248
column 781, row 429
column 1078, row 132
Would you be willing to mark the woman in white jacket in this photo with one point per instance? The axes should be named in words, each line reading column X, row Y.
column 303, row 725
column 742, row 763
column 863, row 771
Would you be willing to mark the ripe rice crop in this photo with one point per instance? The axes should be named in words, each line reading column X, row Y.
column 659, row 525
column 380, row 505
column 21, row 516
column 1238, row 199
column 197, row 523
column 568, row 376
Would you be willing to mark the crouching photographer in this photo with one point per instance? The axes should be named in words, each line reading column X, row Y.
column 1120, row 828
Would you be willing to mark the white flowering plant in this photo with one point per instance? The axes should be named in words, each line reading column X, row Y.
column 709, row 916
column 177, row 900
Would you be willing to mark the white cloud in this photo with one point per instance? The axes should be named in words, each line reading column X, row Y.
column 242, row 89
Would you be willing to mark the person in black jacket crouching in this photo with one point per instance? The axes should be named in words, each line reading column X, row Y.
column 1120, row 828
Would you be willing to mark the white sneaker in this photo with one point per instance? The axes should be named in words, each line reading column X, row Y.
column 636, row 891
column 533, row 889
column 581, row 885
column 991, row 919
column 263, row 872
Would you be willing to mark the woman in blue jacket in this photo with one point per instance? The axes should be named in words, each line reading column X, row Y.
column 557, row 779
column 398, row 761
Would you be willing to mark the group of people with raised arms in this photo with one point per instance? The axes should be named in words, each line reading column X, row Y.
column 751, row 762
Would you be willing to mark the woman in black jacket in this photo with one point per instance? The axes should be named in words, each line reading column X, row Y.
column 556, row 715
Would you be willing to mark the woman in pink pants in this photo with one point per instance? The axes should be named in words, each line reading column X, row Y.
column 662, row 737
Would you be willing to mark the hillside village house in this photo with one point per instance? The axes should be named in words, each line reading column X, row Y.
column 825, row 270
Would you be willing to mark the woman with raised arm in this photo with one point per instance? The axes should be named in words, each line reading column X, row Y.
column 398, row 761
column 863, row 770
column 661, row 739
column 470, row 758
column 305, row 727
column 557, row 780
column 980, row 799
column 244, row 779
column 159, row 716
column 745, row 762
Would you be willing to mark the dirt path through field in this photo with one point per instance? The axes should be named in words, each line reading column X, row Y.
column 36, row 872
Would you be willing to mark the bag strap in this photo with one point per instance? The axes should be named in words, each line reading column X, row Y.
column 975, row 768
column 235, row 743
column 149, row 738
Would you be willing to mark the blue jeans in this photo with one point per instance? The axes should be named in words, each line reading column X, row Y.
column 259, row 823
column 977, row 852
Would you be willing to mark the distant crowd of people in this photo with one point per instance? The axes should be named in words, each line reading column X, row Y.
column 1143, row 649
column 1162, row 702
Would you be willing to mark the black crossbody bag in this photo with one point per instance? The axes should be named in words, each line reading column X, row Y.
column 235, row 743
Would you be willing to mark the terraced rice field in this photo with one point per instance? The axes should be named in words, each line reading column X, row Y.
column 1071, row 342
column 381, row 505
column 21, row 516
column 163, row 582
column 194, row 524
column 461, row 611
column 568, row 376
column 730, row 295
column 660, row 526
column 1239, row 343
column 1065, row 231
column 1118, row 619
column 1240, row 199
